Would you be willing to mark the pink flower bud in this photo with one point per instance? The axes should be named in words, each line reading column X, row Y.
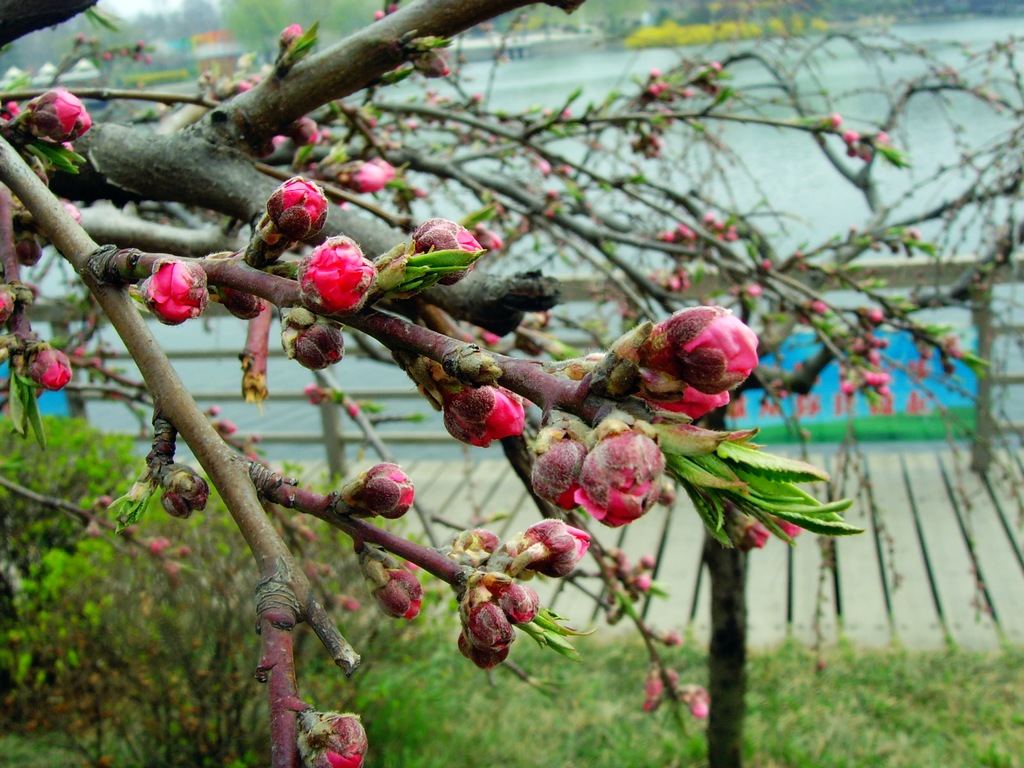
column 57, row 115
column 486, row 626
column 621, row 477
column 478, row 415
column 28, row 251
column 519, row 602
column 289, row 35
column 372, row 176
column 241, row 304
column 847, row 387
column 643, row 582
column 875, row 315
column 402, row 595
column 313, row 342
column 6, row 304
column 50, row 368
column 443, row 235
column 432, row 63
column 754, row 290
column 819, row 307
column 336, row 277
column 315, row 394
column 753, row 535
column 485, row 658
column 158, row 545
column 184, row 491
column 835, row 119
column 551, row 547
column 882, row 138
column 176, row 291
column 876, row 378
column 488, row 238
column 304, row 131
column 298, row 208
column 790, row 529
column 647, row 562
column 474, row 547
column 331, row 740
column 72, row 211
column 378, row 15
column 707, row 347
column 698, row 700
column 851, row 137
column 695, row 403
column 383, row 489
column 556, row 471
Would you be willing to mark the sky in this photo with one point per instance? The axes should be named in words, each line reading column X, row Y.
column 129, row 8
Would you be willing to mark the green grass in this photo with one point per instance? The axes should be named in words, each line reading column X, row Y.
column 873, row 429
column 424, row 706
column 890, row 708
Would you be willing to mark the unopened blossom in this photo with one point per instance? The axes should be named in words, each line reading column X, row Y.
column 695, row 403
column 487, row 238
column 28, row 250
column 304, row 131
column 790, row 529
column 621, row 478
column 551, row 547
column 819, row 307
column 474, row 547
column 752, row 535
column 372, row 176
column 6, row 304
column 383, row 489
column 401, row 596
column 241, row 304
column 478, row 415
column 445, row 235
column 875, row 315
column 298, row 208
column 519, row 602
column 176, row 291
column 709, row 348
column 336, row 277
column 876, row 378
column 311, row 341
column 50, row 368
column 485, row 658
column 557, row 466
column 56, row 115
column 290, row 34
column 331, row 740
column 487, row 627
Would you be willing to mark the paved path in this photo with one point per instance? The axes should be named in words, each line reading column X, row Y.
column 940, row 560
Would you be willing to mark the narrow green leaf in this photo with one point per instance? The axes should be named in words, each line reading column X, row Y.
column 774, row 466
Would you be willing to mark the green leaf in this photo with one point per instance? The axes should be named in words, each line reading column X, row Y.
column 300, row 47
column 688, row 471
column 773, row 466
column 100, row 18
column 979, row 366
column 396, row 75
column 479, row 216
column 60, row 158
column 711, row 512
column 24, row 409
column 129, row 508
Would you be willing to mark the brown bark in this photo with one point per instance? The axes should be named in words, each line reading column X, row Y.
column 728, row 655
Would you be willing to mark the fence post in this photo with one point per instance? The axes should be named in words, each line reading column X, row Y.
column 984, row 427
column 331, row 425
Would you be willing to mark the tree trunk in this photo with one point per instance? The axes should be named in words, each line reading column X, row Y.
column 728, row 658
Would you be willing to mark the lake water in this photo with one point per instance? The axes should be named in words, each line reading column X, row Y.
column 782, row 164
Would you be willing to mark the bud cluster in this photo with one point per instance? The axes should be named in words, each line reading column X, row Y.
column 312, row 341
column 383, row 489
column 695, row 697
column 614, row 471
column 296, row 211
column 397, row 591
column 493, row 600
column 331, row 740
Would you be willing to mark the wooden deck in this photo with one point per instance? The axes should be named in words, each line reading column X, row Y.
column 940, row 561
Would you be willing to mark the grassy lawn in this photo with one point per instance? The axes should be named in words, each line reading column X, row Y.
column 891, row 708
